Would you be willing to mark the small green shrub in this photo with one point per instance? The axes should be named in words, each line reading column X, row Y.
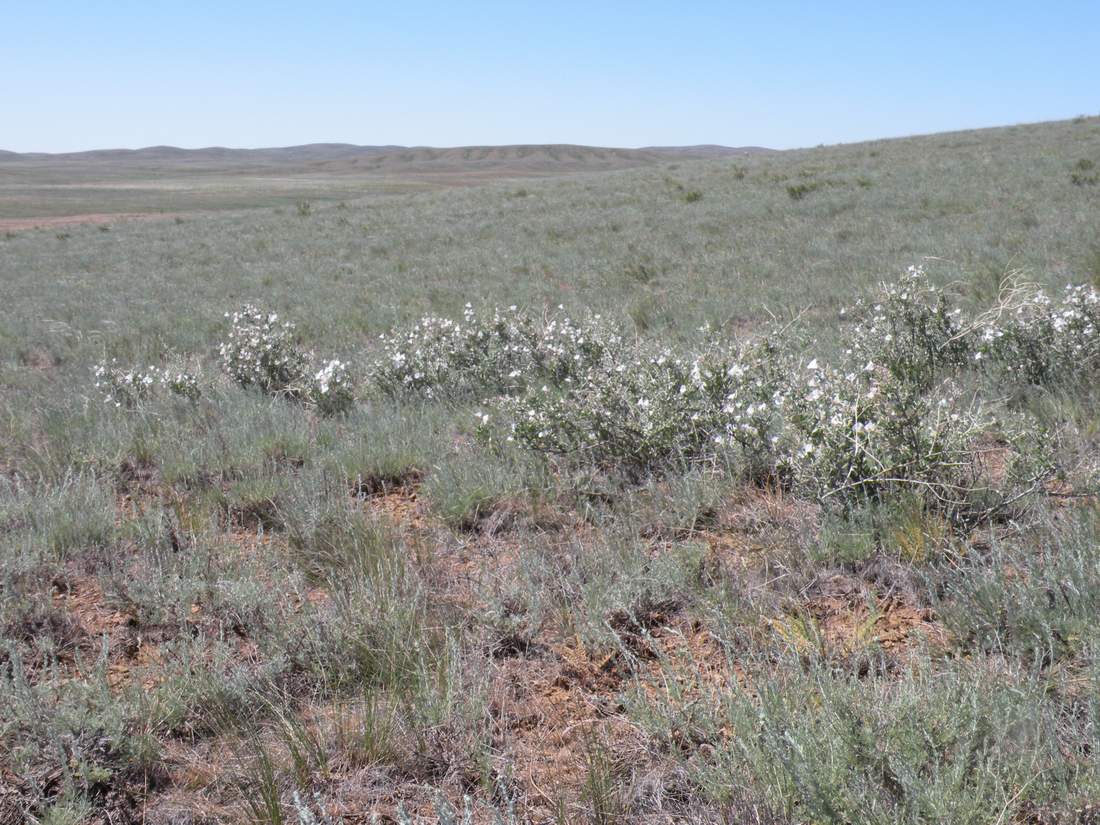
column 798, row 191
column 1035, row 600
column 947, row 745
column 1084, row 173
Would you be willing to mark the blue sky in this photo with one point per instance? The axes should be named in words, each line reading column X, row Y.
column 127, row 74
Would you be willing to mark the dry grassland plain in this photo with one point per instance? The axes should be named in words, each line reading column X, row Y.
column 410, row 604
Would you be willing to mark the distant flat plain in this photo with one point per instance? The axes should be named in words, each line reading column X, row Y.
column 38, row 189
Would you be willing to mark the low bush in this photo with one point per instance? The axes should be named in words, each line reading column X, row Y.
column 1034, row 339
column 262, row 351
column 652, row 411
column 482, row 356
column 126, row 387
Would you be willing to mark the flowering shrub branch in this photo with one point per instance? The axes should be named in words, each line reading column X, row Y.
column 1032, row 338
column 126, row 387
column 262, row 351
column 501, row 353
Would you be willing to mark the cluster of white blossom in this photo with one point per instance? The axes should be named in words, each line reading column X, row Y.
column 126, row 386
column 261, row 351
column 1039, row 340
column 488, row 355
column 640, row 412
column 910, row 329
column 331, row 388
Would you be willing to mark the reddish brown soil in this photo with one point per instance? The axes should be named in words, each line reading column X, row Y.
column 847, row 619
column 130, row 653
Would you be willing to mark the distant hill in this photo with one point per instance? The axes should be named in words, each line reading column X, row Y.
column 535, row 158
column 168, row 179
column 708, row 150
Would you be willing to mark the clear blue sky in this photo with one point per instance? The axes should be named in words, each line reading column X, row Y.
column 81, row 75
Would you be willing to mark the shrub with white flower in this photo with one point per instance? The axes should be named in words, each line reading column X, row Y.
column 180, row 383
column 911, row 329
column 485, row 355
column 330, row 388
column 1035, row 339
column 261, row 351
column 863, row 435
column 858, row 437
column 631, row 416
column 640, row 414
column 127, row 386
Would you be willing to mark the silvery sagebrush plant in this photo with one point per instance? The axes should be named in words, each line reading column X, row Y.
column 497, row 353
column 446, row 814
column 306, row 813
column 262, row 351
column 1031, row 338
column 128, row 386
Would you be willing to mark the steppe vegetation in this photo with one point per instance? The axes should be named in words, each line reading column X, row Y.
column 754, row 490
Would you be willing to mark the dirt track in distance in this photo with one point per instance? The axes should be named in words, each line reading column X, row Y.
column 99, row 218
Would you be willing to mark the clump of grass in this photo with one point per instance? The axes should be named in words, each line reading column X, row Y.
column 949, row 745
column 1084, row 173
column 473, row 493
column 257, row 503
column 798, row 191
column 52, row 523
